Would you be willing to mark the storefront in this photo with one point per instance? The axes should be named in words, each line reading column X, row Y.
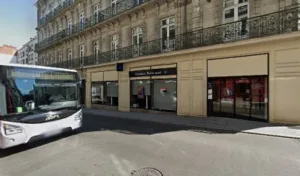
column 154, row 88
column 254, row 79
column 104, row 88
column 239, row 97
column 238, row 92
column 105, row 93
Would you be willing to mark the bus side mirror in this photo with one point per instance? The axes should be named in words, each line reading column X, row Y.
column 30, row 105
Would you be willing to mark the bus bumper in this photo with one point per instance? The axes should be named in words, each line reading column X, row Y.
column 32, row 132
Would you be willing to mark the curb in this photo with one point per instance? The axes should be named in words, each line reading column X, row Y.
column 210, row 129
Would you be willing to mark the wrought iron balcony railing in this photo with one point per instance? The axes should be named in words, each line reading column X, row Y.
column 261, row 26
column 103, row 15
column 56, row 11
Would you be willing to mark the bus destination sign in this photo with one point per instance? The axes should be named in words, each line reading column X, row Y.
column 44, row 75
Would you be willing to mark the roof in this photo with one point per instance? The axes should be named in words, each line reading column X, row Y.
column 7, row 49
column 6, row 58
column 36, row 66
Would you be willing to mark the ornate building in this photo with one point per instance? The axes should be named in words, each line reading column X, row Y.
column 193, row 57
column 27, row 54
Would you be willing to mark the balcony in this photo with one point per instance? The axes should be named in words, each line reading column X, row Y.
column 103, row 15
column 261, row 26
column 66, row 4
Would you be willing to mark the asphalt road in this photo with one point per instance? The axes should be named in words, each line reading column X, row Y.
column 108, row 146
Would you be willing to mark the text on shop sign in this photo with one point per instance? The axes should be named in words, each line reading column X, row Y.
column 153, row 72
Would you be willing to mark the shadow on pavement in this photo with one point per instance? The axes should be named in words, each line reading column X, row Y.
column 129, row 126
column 94, row 123
column 21, row 148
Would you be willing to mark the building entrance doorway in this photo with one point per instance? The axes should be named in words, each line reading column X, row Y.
column 238, row 97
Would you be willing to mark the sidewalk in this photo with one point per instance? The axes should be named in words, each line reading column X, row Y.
column 208, row 123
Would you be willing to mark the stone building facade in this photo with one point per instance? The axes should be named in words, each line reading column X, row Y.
column 192, row 57
column 27, row 54
column 147, row 15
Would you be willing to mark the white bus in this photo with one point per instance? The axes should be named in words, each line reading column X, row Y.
column 37, row 102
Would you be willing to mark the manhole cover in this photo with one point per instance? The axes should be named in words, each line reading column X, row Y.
column 146, row 172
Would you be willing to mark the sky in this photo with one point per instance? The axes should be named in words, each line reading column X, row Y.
column 18, row 21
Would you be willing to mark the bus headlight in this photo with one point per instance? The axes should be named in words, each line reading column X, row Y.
column 78, row 116
column 11, row 129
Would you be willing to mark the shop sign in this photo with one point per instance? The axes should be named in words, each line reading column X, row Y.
column 153, row 72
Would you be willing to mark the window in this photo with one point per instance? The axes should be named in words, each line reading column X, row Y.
column 51, row 59
column 156, row 94
column 60, row 28
column 105, row 93
column 96, row 13
column 82, row 21
column 237, row 11
column 137, row 41
column 96, row 49
column 164, row 93
column 239, row 97
column 114, row 42
column 60, row 57
column 114, row 6
column 43, row 13
column 60, row 2
column 81, row 51
column 81, row 54
column 41, row 36
column 69, row 27
column 114, row 46
column 141, row 94
column 51, row 5
column 16, row 91
column 51, row 33
column 139, row 2
column 168, row 33
column 69, row 54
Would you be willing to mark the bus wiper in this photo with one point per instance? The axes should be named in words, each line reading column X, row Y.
column 25, row 115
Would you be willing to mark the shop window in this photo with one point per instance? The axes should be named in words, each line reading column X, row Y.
column 241, row 97
column 154, row 94
column 105, row 93
column 259, row 97
column 165, row 95
column 141, row 94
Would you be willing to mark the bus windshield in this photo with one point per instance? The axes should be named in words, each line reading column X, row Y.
column 24, row 90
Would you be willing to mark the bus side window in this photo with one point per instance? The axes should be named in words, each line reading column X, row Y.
column 3, row 106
